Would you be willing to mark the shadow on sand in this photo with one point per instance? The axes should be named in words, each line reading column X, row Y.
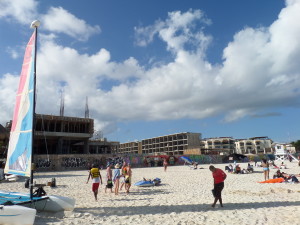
column 166, row 209
column 43, row 218
column 36, row 175
column 149, row 192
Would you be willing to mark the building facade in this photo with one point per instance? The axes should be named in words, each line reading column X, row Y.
column 254, row 145
column 173, row 144
column 134, row 147
column 61, row 134
column 103, row 146
column 218, row 146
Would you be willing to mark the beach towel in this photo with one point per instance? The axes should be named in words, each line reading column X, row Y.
column 276, row 180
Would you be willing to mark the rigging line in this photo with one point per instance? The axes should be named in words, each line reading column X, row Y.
column 43, row 127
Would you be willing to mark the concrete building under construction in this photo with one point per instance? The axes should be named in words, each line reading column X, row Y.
column 61, row 134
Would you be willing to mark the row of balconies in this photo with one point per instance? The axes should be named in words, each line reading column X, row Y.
column 220, row 143
column 253, row 143
column 164, row 139
column 165, row 144
column 129, row 145
column 164, row 147
column 225, row 147
column 181, row 147
column 127, row 150
column 233, row 142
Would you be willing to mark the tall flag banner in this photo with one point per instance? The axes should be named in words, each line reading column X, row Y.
column 20, row 141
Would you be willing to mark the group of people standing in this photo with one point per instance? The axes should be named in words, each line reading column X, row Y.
column 118, row 177
column 115, row 177
column 123, row 175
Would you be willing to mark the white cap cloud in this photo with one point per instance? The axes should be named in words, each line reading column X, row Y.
column 60, row 20
column 259, row 72
column 56, row 20
column 21, row 11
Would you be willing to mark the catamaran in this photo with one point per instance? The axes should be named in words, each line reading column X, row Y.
column 20, row 150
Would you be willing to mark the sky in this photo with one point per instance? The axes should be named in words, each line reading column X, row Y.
column 152, row 68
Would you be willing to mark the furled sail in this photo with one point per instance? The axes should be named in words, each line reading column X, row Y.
column 20, row 142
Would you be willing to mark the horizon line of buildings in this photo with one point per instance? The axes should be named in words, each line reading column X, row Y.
column 73, row 135
column 191, row 143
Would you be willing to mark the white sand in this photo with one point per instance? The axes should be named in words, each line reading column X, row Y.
column 183, row 198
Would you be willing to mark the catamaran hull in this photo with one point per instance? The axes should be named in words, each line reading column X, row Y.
column 52, row 203
column 16, row 215
column 11, row 177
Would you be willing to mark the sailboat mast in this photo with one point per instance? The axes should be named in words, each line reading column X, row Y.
column 34, row 25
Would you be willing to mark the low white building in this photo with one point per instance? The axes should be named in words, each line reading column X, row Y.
column 218, row 145
column 255, row 145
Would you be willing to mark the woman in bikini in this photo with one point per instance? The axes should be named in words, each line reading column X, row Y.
column 266, row 169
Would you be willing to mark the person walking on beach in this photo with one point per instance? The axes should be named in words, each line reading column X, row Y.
column 116, row 178
column 219, row 177
column 266, row 169
column 165, row 164
column 96, row 178
column 109, row 183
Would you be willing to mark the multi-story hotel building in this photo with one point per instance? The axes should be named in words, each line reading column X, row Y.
column 255, row 145
column 134, row 147
column 218, row 145
column 173, row 144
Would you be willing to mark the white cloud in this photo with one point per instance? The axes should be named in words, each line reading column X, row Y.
column 177, row 30
column 8, row 87
column 61, row 21
column 57, row 19
column 259, row 71
column 12, row 52
column 22, row 11
column 261, row 66
column 145, row 35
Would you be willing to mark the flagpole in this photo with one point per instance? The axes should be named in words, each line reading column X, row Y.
column 34, row 25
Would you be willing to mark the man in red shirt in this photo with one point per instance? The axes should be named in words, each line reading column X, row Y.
column 219, row 177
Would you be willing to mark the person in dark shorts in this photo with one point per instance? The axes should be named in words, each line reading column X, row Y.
column 219, row 177
column 128, row 178
column 109, row 184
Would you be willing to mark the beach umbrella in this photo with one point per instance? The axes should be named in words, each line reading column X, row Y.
column 186, row 159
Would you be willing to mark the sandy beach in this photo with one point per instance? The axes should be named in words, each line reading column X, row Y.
column 184, row 197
